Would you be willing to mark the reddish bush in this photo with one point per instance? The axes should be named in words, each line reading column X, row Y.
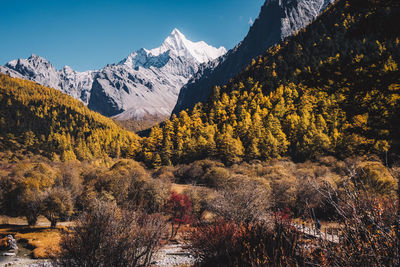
column 260, row 244
column 215, row 242
column 180, row 208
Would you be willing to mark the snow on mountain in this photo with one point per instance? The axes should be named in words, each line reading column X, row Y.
column 147, row 82
column 181, row 46
column 77, row 84
column 278, row 19
column 40, row 70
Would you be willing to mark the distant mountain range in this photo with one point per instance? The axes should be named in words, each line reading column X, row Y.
column 40, row 70
column 278, row 19
column 146, row 83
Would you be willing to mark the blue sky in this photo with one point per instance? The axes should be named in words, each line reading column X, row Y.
column 88, row 34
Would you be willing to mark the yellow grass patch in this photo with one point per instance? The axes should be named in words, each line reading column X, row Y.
column 183, row 188
column 180, row 188
column 208, row 216
column 44, row 242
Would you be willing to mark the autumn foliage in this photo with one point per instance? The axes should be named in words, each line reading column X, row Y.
column 179, row 207
column 42, row 120
column 224, row 243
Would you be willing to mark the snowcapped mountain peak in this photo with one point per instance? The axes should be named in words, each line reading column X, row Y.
column 147, row 82
column 177, row 33
column 67, row 69
column 35, row 68
column 179, row 45
column 36, row 61
column 175, row 45
column 33, row 61
column 175, row 40
column 35, row 57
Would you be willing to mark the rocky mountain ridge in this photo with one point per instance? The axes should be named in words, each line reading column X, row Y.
column 278, row 19
column 40, row 70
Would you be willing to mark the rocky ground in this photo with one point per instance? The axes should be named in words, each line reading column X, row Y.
column 173, row 255
column 168, row 256
column 24, row 262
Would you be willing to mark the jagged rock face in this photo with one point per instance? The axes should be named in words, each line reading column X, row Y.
column 278, row 19
column 300, row 13
column 77, row 84
column 40, row 70
column 146, row 83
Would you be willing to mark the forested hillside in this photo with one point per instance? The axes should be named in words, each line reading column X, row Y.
column 332, row 89
column 43, row 120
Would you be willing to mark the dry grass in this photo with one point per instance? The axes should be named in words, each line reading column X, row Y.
column 184, row 188
column 180, row 188
column 43, row 241
column 208, row 216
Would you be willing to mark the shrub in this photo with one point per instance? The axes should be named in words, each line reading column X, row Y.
column 196, row 171
column 200, row 198
column 180, row 208
column 154, row 195
column 57, row 205
column 130, row 185
column 229, row 244
column 26, row 186
column 214, row 243
column 217, row 177
column 376, row 178
column 165, row 174
column 108, row 236
column 71, row 178
column 243, row 201
column 367, row 228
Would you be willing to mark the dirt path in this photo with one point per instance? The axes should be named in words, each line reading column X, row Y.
column 173, row 255
column 317, row 234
